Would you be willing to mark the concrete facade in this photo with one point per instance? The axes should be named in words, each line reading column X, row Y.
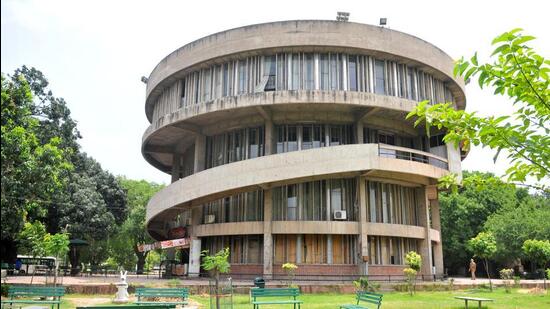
column 287, row 142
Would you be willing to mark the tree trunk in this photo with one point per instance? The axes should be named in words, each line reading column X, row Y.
column 488, row 275
column 140, row 260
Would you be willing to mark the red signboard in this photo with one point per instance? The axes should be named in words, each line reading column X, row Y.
column 180, row 242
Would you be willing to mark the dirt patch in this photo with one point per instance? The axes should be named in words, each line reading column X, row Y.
column 91, row 301
column 533, row 291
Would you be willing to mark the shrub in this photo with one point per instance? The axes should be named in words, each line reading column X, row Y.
column 517, row 281
column 506, row 274
column 363, row 284
column 5, row 288
column 548, row 273
column 410, row 275
column 290, row 270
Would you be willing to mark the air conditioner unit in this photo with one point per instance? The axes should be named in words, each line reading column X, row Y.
column 210, row 219
column 340, row 215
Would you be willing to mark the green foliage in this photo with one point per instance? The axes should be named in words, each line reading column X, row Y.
column 31, row 169
column 483, row 245
column 5, row 288
column 31, row 239
column 519, row 73
column 57, row 244
column 363, row 284
column 513, row 224
column 153, row 259
column 218, row 263
column 506, row 274
column 410, row 276
column 538, row 251
column 290, row 270
column 413, row 260
column 548, row 273
column 499, row 208
column 123, row 247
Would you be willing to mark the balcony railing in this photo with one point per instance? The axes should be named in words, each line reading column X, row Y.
column 402, row 153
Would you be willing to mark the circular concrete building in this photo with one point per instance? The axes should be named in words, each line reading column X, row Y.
column 287, row 142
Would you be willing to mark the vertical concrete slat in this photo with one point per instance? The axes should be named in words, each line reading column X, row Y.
column 425, row 244
column 200, row 153
column 363, row 236
column 268, row 237
column 437, row 246
column 176, row 166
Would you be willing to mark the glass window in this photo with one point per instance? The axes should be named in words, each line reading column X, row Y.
column 307, row 137
column 270, row 71
column 352, row 73
column 295, row 72
column 310, row 73
column 226, row 80
column 334, row 72
column 391, row 203
column 292, row 202
column 242, row 77
column 410, row 86
column 380, row 74
column 206, row 85
column 324, row 72
column 182, row 102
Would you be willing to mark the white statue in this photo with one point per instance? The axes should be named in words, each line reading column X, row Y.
column 121, row 296
column 123, row 276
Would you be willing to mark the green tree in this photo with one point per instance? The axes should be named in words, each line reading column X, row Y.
column 133, row 231
column 31, row 239
column 56, row 245
column 216, row 264
column 31, row 170
column 537, row 251
column 513, row 224
column 414, row 262
column 522, row 75
column 464, row 213
column 484, row 246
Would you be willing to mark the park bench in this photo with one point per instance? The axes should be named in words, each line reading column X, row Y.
column 34, row 295
column 157, row 306
column 367, row 297
column 479, row 300
column 181, row 293
column 289, row 293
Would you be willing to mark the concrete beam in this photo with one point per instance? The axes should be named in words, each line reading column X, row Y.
column 158, row 149
column 264, row 112
column 366, row 113
column 188, row 127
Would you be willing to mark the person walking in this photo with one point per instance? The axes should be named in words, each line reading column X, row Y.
column 472, row 269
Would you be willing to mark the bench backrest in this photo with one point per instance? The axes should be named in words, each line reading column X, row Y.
column 369, row 297
column 162, row 292
column 274, row 292
column 29, row 291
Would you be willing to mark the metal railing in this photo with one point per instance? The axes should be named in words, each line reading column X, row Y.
column 402, row 153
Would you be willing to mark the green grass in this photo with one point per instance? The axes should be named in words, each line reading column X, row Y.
column 390, row 300
column 404, row 300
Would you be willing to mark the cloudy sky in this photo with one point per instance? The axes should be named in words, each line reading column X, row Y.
column 94, row 52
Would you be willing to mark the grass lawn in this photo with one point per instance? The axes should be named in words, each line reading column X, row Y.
column 391, row 300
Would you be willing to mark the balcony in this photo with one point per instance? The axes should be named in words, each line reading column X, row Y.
column 409, row 154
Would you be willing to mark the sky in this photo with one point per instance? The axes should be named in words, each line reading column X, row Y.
column 95, row 52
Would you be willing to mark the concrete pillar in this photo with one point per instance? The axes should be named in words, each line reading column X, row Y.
column 359, row 132
column 299, row 248
column 363, row 243
column 269, row 137
column 268, row 237
column 195, row 257
column 424, row 219
column 437, row 246
column 200, row 153
column 176, row 166
column 454, row 160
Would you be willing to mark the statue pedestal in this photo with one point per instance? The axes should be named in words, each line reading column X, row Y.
column 121, row 297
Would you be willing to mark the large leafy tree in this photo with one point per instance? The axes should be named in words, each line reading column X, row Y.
column 133, row 230
column 484, row 246
column 464, row 213
column 518, row 72
column 32, row 168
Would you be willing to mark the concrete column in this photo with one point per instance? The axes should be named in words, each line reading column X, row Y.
column 269, row 136
column 437, row 246
column 359, row 132
column 195, row 257
column 176, row 166
column 200, row 153
column 299, row 247
column 363, row 236
column 268, row 237
column 424, row 218
column 454, row 160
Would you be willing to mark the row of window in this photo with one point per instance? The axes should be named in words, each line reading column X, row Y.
column 246, row 249
column 315, row 249
column 301, row 71
column 384, row 250
column 322, row 200
column 234, row 146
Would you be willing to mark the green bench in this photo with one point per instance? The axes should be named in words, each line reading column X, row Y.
column 33, row 295
column 368, row 297
column 289, row 293
column 181, row 293
column 157, row 306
